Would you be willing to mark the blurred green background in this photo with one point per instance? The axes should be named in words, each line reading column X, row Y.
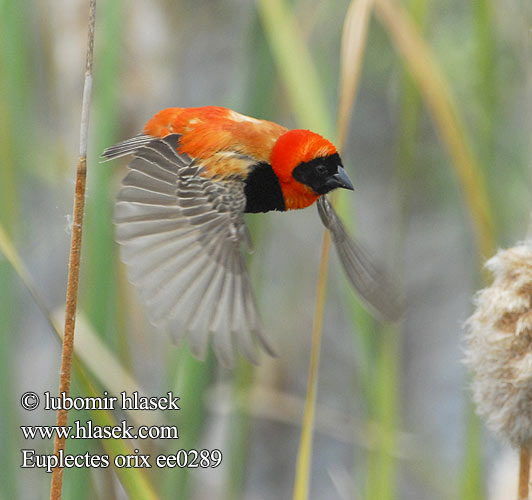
column 393, row 415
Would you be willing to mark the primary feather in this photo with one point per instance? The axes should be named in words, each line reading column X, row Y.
column 371, row 283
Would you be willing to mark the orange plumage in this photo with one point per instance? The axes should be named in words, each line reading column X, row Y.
column 211, row 130
column 209, row 133
column 179, row 219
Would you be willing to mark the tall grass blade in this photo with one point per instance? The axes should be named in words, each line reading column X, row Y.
column 8, row 410
column 10, row 252
column 99, row 293
column 134, row 480
column 486, row 81
column 16, row 97
column 410, row 111
column 353, row 45
column 303, row 87
column 239, row 431
column 381, row 482
column 430, row 82
column 354, row 37
column 429, row 79
column 191, row 382
column 382, row 400
column 297, row 70
column 471, row 480
column 304, row 457
column 406, row 169
column 307, row 97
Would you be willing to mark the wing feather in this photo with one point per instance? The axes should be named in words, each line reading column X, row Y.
column 158, row 255
column 131, row 212
column 181, row 234
column 153, row 170
column 219, row 326
column 137, row 178
column 126, row 147
column 145, row 196
column 372, row 284
column 239, row 314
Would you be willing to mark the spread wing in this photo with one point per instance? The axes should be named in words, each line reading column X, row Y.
column 181, row 235
column 369, row 281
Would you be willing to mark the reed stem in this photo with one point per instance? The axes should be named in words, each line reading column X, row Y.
column 524, row 473
column 75, row 254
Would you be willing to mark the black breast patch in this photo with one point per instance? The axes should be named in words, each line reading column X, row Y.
column 263, row 190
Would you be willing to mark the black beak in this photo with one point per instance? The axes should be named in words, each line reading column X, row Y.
column 341, row 180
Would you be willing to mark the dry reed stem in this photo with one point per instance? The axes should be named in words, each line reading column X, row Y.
column 75, row 253
column 353, row 44
column 524, row 473
column 305, row 448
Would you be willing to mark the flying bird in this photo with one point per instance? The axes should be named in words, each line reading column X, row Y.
column 180, row 223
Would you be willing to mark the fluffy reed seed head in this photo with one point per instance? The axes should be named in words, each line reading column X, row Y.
column 499, row 346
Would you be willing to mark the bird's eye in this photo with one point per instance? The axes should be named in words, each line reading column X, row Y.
column 322, row 169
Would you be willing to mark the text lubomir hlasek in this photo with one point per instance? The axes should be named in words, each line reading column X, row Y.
column 135, row 401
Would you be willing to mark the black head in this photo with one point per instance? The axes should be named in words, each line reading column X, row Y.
column 323, row 174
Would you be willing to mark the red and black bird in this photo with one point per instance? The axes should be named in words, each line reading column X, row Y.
column 179, row 219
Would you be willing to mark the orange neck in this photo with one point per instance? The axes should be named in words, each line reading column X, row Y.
column 297, row 195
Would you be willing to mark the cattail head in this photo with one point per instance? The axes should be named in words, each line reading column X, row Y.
column 499, row 346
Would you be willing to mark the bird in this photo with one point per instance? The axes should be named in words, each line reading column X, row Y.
column 179, row 220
